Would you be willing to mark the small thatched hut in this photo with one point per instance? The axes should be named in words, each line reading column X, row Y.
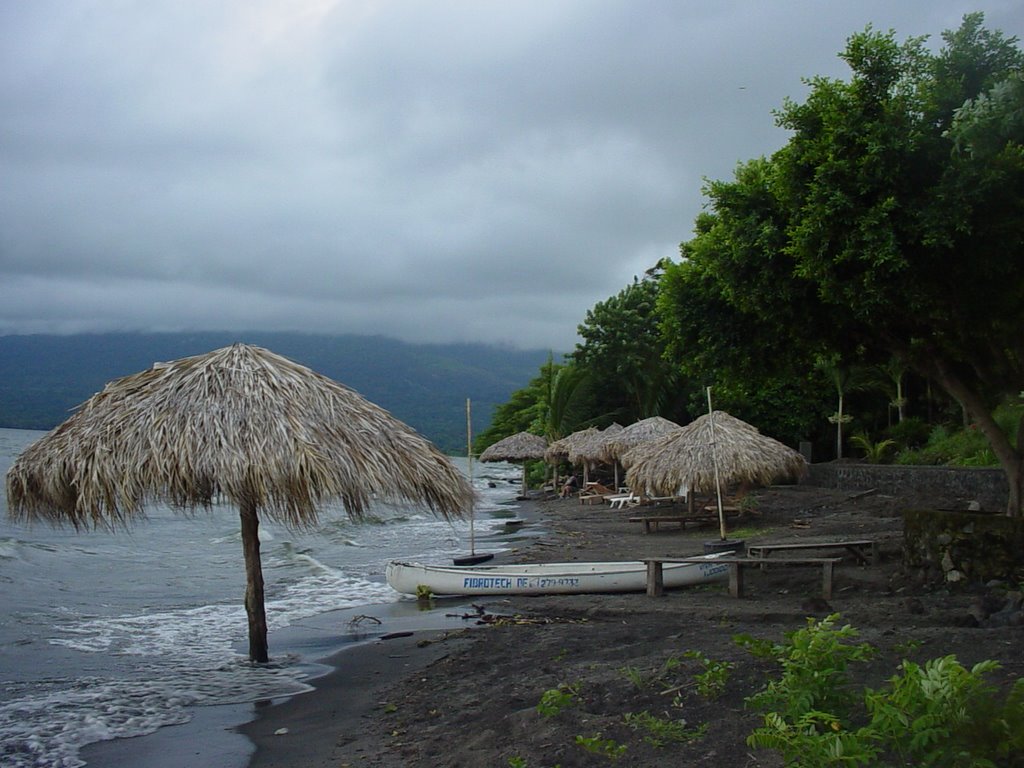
column 518, row 448
column 239, row 423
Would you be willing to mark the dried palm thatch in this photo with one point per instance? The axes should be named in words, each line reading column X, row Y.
column 687, row 458
column 520, row 447
column 640, row 432
column 559, row 450
column 239, row 423
column 590, row 447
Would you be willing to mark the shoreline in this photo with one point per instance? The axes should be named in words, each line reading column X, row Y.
column 334, row 712
column 339, row 658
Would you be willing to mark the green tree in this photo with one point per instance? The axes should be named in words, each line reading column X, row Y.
column 915, row 242
column 623, row 349
column 891, row 222
column 844, row 380
column 714, row 330
column 557, row 402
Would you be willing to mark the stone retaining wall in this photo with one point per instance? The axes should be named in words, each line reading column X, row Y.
column 961, row 547
column 956, row 487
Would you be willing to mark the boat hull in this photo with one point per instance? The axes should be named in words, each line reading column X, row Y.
column 546, row 578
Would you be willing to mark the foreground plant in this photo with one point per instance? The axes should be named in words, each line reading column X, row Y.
column 711, row 682
column 554, row 700
column 659, row 730
column 599, row 745
column 941, row 715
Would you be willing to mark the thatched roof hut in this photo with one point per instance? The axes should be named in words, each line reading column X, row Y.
column 687, row 458
column 520, row 447
column 635, row 434
column 239, row 423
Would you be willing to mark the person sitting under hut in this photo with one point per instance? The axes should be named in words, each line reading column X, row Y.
column 569, row 488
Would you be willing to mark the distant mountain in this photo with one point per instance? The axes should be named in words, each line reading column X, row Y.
column 43, row 378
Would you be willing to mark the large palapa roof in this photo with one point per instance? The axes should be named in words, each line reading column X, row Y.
column 689, row 457
column 241, row 423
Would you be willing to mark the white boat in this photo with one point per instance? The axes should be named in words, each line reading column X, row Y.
column 546, row 578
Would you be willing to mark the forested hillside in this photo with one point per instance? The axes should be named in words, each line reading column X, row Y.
column 42, row 378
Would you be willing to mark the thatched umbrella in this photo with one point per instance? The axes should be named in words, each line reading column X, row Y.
column 635, row 434
column 559, row 450
column 239, row 423
column 691, row 456
column 590, row 448
column 520, row 447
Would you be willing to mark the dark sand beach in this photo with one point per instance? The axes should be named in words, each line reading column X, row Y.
column 468, row 697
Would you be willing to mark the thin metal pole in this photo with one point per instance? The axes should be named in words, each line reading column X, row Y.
column 714, row 461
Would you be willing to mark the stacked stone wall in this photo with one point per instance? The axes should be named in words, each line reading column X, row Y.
column 949, row 487
column 959, row 547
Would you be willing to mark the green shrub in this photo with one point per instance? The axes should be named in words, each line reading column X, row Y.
column 941, row 715
column 964, row 447
column 875, row 453
column 910, row 433
column 814, row 663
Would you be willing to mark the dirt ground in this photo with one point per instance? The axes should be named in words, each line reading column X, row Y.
column 476, row 707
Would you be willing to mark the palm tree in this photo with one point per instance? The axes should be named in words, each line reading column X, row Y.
column 845, row 379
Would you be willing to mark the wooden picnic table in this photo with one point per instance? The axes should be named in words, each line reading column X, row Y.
column 864, row 550
column 651, row 522
column 656, row 584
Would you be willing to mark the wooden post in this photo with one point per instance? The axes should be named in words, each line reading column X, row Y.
column 826, row 580
column 254, row 607
column 655, row 579
column 736, row 579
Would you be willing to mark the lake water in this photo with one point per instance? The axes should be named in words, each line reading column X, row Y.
column 111, row 635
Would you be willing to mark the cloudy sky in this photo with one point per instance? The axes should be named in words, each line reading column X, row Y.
column 432, row 170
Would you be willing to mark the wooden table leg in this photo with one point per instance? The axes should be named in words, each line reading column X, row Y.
column 655, row 580
column 826, row 581
column 736, row 579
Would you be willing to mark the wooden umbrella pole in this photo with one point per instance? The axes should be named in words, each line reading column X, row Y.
column 714, row 461
column 254, row 607
column 469, row 461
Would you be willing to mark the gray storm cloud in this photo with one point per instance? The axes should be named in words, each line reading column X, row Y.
column 432, row 171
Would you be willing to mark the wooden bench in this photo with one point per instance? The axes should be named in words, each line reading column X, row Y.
column 656, row 584
column 651, row 522
column 727, row 509
column 864, row 550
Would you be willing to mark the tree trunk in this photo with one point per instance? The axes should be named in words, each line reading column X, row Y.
column 254, row 608
column 1010, row 459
